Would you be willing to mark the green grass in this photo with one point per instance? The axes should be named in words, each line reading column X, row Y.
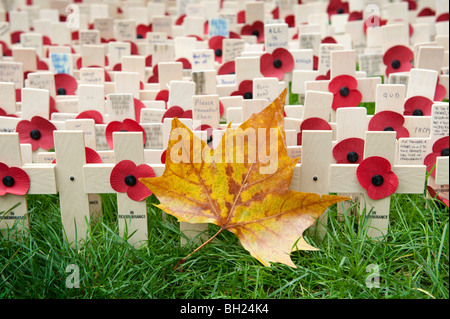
column 412, row 261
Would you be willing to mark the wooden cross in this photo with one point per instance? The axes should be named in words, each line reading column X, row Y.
column 42, row 181
column 343, row 179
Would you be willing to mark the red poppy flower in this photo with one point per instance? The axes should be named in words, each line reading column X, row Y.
column 389, row 121
column 315, row 62
column 128, row 125
column 433, row 194
column 154, row 78
column 426, row 12
column 398, row 59
column 3, row 113
column 440, row 92
column 163, row 157
column 117, row 67
column 324, row 77
column 138, row 106
column 5, row 49
column 376, row 177
column 442, row 17
column 65, row 84
column 276, row 64
column 162, row 95
column 412, row 4
column 290, row 20
column 186, row 64
column 328, row 40
column 440, row 148
column 215, row 43
column 312, row 124
column 227, row 68
column 142, row 29
column 245, row 90
column 15, row 36
column 373, row 21
column 355, row 16
column 13, row 180
column 276, row 13
column 209, row 132
column 349, row 151
column 345, row 93
column 418, row 106
column 92, row 156
column 256, row 29
column 125, row 177
column 337, row 7
column 180, row 19
column 91, row 114
column 38, row 132
column 176, row 111
column 241, row 17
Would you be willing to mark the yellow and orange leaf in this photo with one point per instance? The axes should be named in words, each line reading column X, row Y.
column 242, row 185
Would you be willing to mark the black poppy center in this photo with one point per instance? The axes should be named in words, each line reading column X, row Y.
column 255, row 32
column 123, row 130
column 61, row 91
column 340, row 10
column 218, row 52
column 130, row 180
column 377, row 180
column 417, row 112
column 445, row 152
column 344, row 91
column 8, row 181
column 139, row 36
column 277, row 63
column 396, row 64
column 388, row 128
column 35, row 134
column 232, row 73
column 248, row 95
column 352, row 157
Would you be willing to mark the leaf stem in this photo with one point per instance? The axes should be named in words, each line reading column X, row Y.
column 198, row 248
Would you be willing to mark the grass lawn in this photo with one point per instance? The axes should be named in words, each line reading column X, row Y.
column 412, row 262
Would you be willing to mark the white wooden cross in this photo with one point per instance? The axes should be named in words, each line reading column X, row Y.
column 410, row 177
column 42, row 181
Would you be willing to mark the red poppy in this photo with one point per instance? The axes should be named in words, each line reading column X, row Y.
column 426, row 12
column 373, row 21
column 440, row 148
column 180, row 19
column 163, row 157
column 276, row 13
column 412, row 4
column 312, row 124
column 315, row 62
column 440, row 92
column 65, row 84
column 154, row 78
column 355, row 16
column 128, row 125
column 245, row 89
column 389, row 121
column 227, row 68
column 3, row 113
column 125, row 177
column 290, row 20
column 209, row 132
column 15, row 36
column 138, row 106
column 215, row 43
column 276, row 64
column 256, row 29
column 148, row 60
column 142, row 29
column 117, row 67
column 241, row 17
column 418, row 106
column 349, row 151
column 38, row 132
column 328, row 40
column 324, row 77
column 398, row 59
column 442, row 17
column 344, row 90
column 14, row 180
column 433, row 194
column 91, row 114
column 337, row 7
column 5, row 49
column 376, row 177
column 186, row 64
column 162, row 95
column 176, row 111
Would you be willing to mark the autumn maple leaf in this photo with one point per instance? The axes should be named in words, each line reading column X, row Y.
column 240, row 186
